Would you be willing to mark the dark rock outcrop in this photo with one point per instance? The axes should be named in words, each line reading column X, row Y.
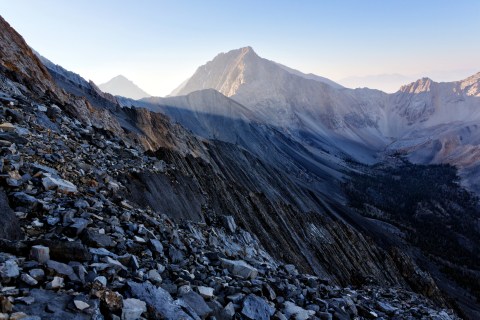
column 10, row 226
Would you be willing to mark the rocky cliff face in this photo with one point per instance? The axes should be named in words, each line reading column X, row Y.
column 18, row 61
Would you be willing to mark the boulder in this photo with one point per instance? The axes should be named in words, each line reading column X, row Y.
column 256, row 308
column 240, row 268
column 133, row 309
column 196, row 302
column 50, row 182
column 62, row 269
column 40, row 253
column 159, row 300
column 291, row 310
column 9, row 224
column 9, row 269
column 205, row 292
column 95, row 239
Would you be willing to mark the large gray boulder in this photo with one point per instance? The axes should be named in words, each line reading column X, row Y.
column 240, row 268
column 159, row 300
column 256, row 308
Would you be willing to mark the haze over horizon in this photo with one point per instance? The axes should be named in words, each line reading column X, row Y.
column 160, row 44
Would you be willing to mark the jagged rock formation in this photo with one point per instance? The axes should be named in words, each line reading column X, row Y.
column 20, row 63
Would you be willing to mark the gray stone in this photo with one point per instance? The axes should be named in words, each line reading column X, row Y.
column 56, row 283
column 236, row 297
column 81, row 305
column 66, row 250
column 40, row 253
column 291, row 310
column 37, row 274
column 95, row 239
column 280, row 316
column 77, row 227
column 23, row 199
column 269, row 292
column 9, row 269
column 256, row 308
column 81, row 204
column 102, row 252
column 133, row 309
column 240, row 268
column 50, row 182
column 42, row 108
column 159, row 300
column 160, row 166
column 176, row 255
column 154, row 276
column 102, row 280
column 196, row 302
column 63, row 269
column 156, row 246
column 229, row 310
column 28, row 279
column 26, row 300
column 36, row 167
column 9, row 226
column 205, row 292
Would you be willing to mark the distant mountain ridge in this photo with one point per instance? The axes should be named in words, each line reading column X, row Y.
column 363, row 123
column 121, row 86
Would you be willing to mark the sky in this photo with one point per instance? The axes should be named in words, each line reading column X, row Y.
column 158, row 44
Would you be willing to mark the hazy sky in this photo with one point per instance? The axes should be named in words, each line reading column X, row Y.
column 158, row 44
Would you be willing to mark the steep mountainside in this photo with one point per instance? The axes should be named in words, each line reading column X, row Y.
column 19, row 61
column 121, row 86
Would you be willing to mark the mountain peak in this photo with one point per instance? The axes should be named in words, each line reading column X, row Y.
column 421, row 85
column 231, row 71
column 242, row 50
column 471, row 85
column 122, row 86
column 121, row 77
